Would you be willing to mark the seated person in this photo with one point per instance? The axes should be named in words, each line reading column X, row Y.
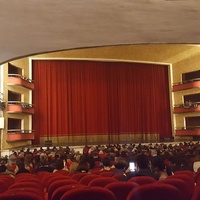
column 44, row 165
column 11, row 168
column 121, row 165
column 159, row 168
column 21, row 167
column 142, row 168
column 106, row 164
column 83, row 167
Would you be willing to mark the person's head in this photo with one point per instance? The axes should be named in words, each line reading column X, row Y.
column 83, row 166
column 11, row 166
column 153, row 152
column 43, row 159
column 2, row 168
column 157, row 164
column 121, row 163
column 106, row 162
column 142, row 162
column 59, row 165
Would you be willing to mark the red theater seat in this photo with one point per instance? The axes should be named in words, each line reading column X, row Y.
column 106, row 174
column 188, row 179
column 26, row 184
column 185, row 172
column 155, row 191
column 3, row 186
column 102, row 181
column 78, row 176
column 180, row 185
column 121, row 189
column 60, row 183
column 62, row 172
column 86, row 179
column 141, row 180
column 196, row 193
column 118, row 176
column 57, row 194
column 25, row 189
column 53, row 179
column 21, row 195
column 89, row 193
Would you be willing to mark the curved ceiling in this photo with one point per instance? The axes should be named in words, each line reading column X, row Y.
column 35, row 26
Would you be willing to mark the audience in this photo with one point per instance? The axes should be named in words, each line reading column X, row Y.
column 142, row 168
column 165, row 159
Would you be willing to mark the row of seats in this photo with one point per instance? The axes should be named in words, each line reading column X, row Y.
column 56, row 186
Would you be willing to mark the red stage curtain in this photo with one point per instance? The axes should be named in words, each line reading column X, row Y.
column 90, row 97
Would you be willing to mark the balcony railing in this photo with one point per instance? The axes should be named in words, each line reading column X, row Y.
column 19, row 135
column 189, row 84
column 20, row 107
column 187, row 107
column 22, row 77
column 17, row 79
column 188, row 131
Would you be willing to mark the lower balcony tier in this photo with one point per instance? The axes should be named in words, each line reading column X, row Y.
column 188, row 131
column 12, row 137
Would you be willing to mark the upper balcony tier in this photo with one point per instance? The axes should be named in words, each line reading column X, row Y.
column 190, row 84
column 16, row 79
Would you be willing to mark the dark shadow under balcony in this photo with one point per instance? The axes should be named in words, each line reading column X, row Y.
column 16, row 79
column 19, row 135
column 19, row 107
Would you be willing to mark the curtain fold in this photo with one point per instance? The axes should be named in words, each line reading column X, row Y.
column 96, row 98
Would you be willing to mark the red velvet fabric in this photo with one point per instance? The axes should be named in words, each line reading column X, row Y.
column 96, row 98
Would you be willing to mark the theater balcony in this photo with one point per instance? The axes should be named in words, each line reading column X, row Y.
column 188, row 131
column 19, row 135
column 189, row 84
column 19, row 80
column 20, row 107
column 187, row 107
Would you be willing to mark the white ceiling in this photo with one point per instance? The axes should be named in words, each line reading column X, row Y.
column 36, row 26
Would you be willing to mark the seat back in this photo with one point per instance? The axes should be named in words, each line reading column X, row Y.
column 53, row 179
column 118, row 176
column 62, row 172
column 155, row 191
column 184, row 172
column 26, row 184
column 21, row 195
column 188, row 179
column 57, row 194
column 86, row 179
column 180, row 185
column 142, row 180
column 106, row 173
column 78, row 176
column 121, row 189
column 3, row 186
column 102, row 181
column 60, row 183
column 89, row 193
